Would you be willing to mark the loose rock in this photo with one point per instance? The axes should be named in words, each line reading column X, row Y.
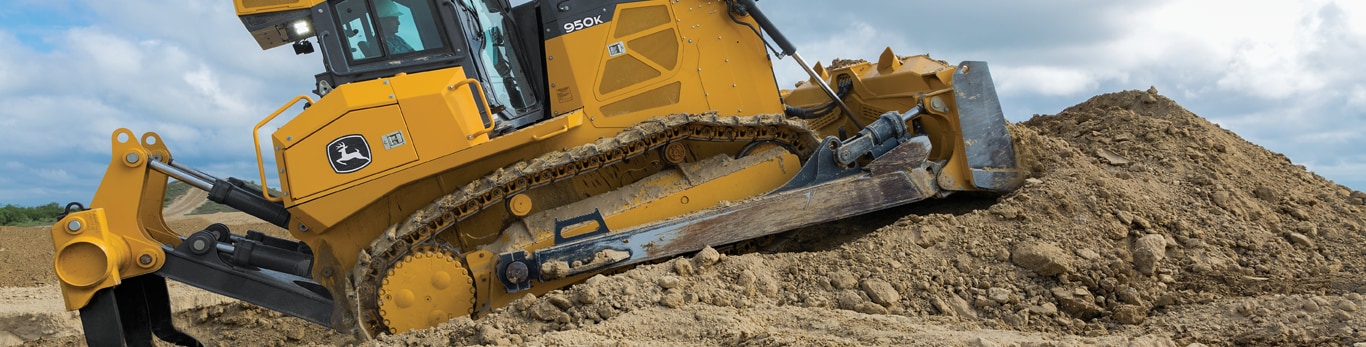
column 1042, row 258
column 881, row 292
column 1077, row 302
column 1149, row 251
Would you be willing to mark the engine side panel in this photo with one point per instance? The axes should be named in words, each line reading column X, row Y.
column 658, row 56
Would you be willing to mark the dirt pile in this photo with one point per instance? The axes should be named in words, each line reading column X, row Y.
column 1140, row 218
column 1141, row 224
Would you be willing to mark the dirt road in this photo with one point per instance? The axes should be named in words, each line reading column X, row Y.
column 186, row 203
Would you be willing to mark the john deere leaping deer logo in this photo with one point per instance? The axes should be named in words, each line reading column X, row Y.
column 348, row 153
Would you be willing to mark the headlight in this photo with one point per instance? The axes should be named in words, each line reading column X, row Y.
column 301, row 28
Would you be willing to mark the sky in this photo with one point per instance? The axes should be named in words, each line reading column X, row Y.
column 1286, row 75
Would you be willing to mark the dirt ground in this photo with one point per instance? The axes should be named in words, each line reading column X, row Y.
column 1141, row 224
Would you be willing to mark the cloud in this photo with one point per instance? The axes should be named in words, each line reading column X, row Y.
column 1281, row 74
column 64, row 90
column 1285, row 75
column 1044, row 80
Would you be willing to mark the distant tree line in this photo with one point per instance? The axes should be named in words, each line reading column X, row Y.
column 12, row 215
column 25, row 216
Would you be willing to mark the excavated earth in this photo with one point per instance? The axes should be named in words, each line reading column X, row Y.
column 1140, row 224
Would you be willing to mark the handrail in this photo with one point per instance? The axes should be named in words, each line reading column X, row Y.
column 488, row 113
column 256, row 138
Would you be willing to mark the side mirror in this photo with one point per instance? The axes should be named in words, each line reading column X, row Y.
column 303, row 47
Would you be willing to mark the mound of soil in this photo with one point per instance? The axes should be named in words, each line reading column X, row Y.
column 1140, row 219
column 1141, row 224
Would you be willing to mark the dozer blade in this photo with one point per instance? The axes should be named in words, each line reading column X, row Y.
column 990, row 154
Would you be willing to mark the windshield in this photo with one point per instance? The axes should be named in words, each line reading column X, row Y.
column 507, row 80
column 387, row 27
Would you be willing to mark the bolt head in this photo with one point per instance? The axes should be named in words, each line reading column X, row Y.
column 516, row 272
column 145, row 259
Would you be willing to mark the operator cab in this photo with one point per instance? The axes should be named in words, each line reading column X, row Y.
column 369, row 39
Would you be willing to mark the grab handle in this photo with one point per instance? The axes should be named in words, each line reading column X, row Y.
column 256, row 138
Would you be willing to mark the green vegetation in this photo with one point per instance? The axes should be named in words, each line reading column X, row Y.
column 174, row 190
column 11, row 215
column 210, row 207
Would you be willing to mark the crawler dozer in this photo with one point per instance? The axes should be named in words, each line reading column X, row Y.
column 463, row 153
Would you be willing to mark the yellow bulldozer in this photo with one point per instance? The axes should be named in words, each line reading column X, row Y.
column 463, row 153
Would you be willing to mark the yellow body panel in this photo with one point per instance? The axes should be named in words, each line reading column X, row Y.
column 311, row 173
column 250, row 7
column 676, row 57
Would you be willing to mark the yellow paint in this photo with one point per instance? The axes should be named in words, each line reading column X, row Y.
column 250, row 7
column 897, row 84
column 519, row 205
column 679, row 57
column 121, row 235
column 310, row 168
column 425, row 288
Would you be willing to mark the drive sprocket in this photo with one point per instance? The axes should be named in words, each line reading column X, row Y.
column 424, row 288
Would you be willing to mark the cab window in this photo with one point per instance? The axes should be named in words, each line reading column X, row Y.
column 380, row 28
column 496, row 54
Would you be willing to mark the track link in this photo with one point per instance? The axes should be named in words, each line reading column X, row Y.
column 444, row 213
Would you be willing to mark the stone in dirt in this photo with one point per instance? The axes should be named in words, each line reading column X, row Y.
column 1149, row 251
column 1043, row 258
column 1077, row 302
column 707, row 257
column 881, row 292
column 1300, row 240
column 1131, row 314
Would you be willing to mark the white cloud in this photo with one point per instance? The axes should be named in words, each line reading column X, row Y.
column 1357, row 99
column 854, row 40
column 134, row 66
column 1282, row 74
column 1042, row 80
